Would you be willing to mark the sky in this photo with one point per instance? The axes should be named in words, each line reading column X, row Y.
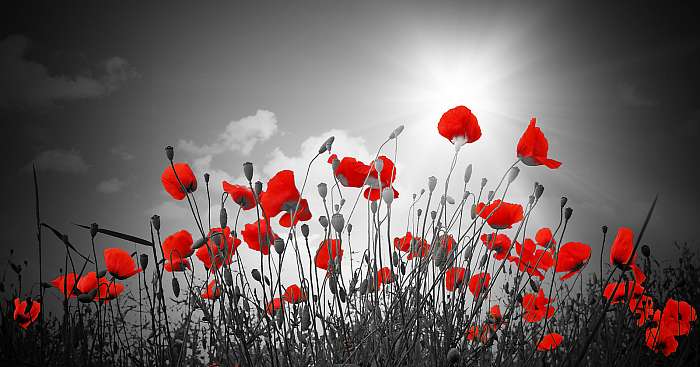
column 92, row 93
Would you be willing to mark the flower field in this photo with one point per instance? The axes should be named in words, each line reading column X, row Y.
column 459, row 281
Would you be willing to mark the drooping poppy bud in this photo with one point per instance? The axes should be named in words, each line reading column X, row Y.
column 258, row 187
column 513, row 174
column 395, row 134
column 564, row 200
column 323, row 221
column 256, row 275
column 322, row 190
column 326, row 146
column 468, row 173
column 143, row 261
column 248, row 171
column 432, row 183
column 223, row 217
column 305, row 230
column 155, row 219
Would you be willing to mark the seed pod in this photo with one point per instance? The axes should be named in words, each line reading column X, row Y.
column 468, row 173
column 223, row 217
column 378, row 165
column 279, row 246
column 169, row 152
column 143, row 261
column 433, row 215
column 646, row 251
column 453, row 356
column 513, row 174
column 419, row 212
column 395, row 259
column 394, row 134
column 322, row 190
column 305, row 230
column 432, row 182
column 483, row 261
column 228, row 277
column 199, row 243
column 248, row 171
column 342, row 202
column 473, row 211
column 323, row 220
column 388, row 195
column 155, row 219
column 256, row 275
column 336, row 208
column 93, row 230
column 176, row 287
column 338, row 222
column 491, row 195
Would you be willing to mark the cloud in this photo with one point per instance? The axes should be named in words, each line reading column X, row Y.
column 631, row 95
column 28, row 83
column 111, row 186
column 120, row 151
column 238, row 136
column 58, row 160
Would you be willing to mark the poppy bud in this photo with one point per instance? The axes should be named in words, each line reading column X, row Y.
column 326, row 146
column 93, row 230
column 342, row 202
column 335, row 164
column 169, row 152
column 199, row 243
column 378, row 165
column 305, row 318
column 363, row 287
column 143, row 261
column 453, row 356
column 419, row 212
column 450, row 200
column 322, row 190
column 333, row 285
column 155, row 219
column 256, row 275
column 223, row 217
column 374, row 207
column 567, row 213
column 305, row 230
column 341, row 293
column 484, row 181
column 539, row 190
column 336, row 208
column 349, row 228
column 248, row 171
column 279, row 246
column 432, row 182
column 338, row 222
column 236, row 294
column 395, row 259
column 605, row 229
column 491, row 195
column 433, row 214
column 646, row 251
column 513, row 174
column 176, row 287
column 531, row 199
column 395, row 134
column 228, row 277
column 388, row 195
column 483, row 261
column 101, row 273
column 468, row 173
column 323, row 220
column 258, row 188
column 563, row 201
column 466, row 194
column 206, row 177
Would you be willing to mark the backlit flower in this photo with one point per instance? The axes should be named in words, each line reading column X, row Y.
column 24, row 315
column 536, row 307
column 454, row 277
column 219, row 249
column 119, row 263
column 500, row 215
column 187, row 181
column 259, row 236
column 459, row 123
column 329, row 249
column 499, row 244
column 66, row 284
column 572, row 257
column 478, row 283
column 281, row 194
column 301, row 214
column 533, row 147
column 213, row 291
column 294, row 294
column 549, row 342
column 241, row 195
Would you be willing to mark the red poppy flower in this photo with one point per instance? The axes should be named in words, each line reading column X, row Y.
column 281, row 194
column 499, row 243
column 677, row 316
column 459, row 123
column 454, row 277
column 661, row 341
column 177, row 264
column 495, row 314
column 403, row 244
column 24, row 315
column 415, row 246
column 108, row 290
column 171, row 184
column 572, row 257
column 384, row 276
column 621, row 253
column 219, row 249
column 549, row 342
column 294, row 294
column 478, row 283
column 532, row 259
column 301, row 214
column 329, row 249
column 177, row 246
column 533, row 147
column 631, row 289
column 500, row 215
column 544, row 237
column 536, row 307
column 383, row 177
column 643, row 307
column 274, row 305
column 474, row 333
column 213, row 291
column 259, row 240
column 87, row 282
column 240, row 195
column 350, row 172
column 66, row 284
column 119, row 263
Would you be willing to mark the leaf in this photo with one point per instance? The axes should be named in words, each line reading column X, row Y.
column 123, row 236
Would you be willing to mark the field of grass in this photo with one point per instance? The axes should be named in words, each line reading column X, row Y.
column 460, row 281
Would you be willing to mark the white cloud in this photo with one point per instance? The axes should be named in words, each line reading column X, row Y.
column 111, row 186
column 238, row 136
column 58, row 160
column 121, row 152
column 29, row 83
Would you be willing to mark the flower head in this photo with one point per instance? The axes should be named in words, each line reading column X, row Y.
column 66, row 284
column 454, row 277
column 533, row 147
column 281, row 194
column 25, row 315
column 549, row 342
column 259, row 236
column 572, row 257
column 185, row 176
column 499, row 214
column 459, row 123
column 119, row 263
column 241, row 195
column 328, row 250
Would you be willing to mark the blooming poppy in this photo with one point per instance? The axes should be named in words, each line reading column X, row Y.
column 26, row 314
column 532, row 259
column 643, row 307
column 87, row 282
column 119, row 263
column 544, row 237
column 500, row 215
column 454, row 277
column 474, row 333
column 403, row 244
column 630, row 289
column 677, row 316
column 213, row 291
column 108, row 290
column 384, row 276
column 259, row 239
column 499, row 243
column 621, row 253
column 533, row 146
column 185, row 176
column 301, row 214
column 572, row 257
column 294, row 294
column 219, row 249
column 329, row 249
column 496, row 316
column 381, row 175
column 240, row 195
column 549, row 342
column 350, row 172
column 177, row 264
column 661, row 341
column 459, row 124
column 66, row 284
column 177, row 246
column 415, row 246
column 274, row 305
column 281, row 194
column 536, row 307
column 478, row 283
